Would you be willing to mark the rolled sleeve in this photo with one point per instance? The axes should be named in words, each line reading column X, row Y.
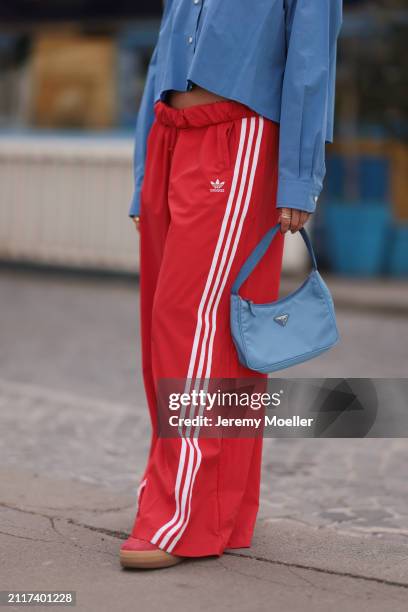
column 307, row 105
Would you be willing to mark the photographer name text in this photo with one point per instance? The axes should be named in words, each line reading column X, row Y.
column 254, row 422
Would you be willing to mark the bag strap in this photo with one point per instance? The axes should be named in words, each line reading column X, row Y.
column 260, row 250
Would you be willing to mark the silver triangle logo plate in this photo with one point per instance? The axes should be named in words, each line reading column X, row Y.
column 281, row 319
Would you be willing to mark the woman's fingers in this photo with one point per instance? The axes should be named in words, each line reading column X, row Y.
column 136, row 221
column 292, row 219
column 294, row 222
column 303, row 218
column 285, row 219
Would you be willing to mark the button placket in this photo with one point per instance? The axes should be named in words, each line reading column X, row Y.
column 199, row 5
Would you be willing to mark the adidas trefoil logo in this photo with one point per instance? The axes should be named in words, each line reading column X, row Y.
column 217, row 185
column 281, row 319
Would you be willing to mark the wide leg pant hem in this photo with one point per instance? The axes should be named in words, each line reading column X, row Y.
column 214, row 548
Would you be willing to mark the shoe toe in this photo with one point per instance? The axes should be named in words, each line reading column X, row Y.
column 140, row 554
column 136, row 545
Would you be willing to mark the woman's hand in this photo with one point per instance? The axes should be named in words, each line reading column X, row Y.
column 292, row 219
column 136, row 221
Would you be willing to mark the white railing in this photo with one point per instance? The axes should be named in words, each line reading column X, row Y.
column 64, row 201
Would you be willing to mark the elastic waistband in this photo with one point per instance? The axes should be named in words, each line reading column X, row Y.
column 201, row 115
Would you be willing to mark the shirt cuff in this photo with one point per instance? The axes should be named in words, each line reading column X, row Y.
column 134, row 209
column 299, row 194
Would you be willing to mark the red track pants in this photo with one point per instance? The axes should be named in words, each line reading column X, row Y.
column 209, row 194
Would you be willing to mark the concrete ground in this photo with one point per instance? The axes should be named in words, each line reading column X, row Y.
column 333, row 528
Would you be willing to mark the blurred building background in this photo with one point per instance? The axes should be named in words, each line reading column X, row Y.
column 71, row 77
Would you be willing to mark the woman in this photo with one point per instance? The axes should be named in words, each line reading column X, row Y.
column 230, row 140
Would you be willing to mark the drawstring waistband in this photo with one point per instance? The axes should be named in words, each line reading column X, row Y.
column 201, row 115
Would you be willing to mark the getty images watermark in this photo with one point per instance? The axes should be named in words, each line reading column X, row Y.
column 246, row 406
column 278, row 407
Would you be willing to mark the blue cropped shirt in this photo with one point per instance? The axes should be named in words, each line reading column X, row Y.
column 276, row 56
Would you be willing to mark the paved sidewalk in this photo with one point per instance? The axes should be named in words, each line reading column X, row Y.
column 383, row 295
column 352, row 486
column 333, row 528
column 332, row 531
column 63, row 535
column 79, row 333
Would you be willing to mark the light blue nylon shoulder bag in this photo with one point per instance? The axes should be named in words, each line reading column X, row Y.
column 280, row 334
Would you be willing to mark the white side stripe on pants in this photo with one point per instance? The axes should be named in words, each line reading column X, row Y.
column 193, row 356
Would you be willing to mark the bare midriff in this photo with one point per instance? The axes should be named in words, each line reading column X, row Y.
column 196, row 95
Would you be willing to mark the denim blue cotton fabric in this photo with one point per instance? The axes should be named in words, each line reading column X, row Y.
column 275, row 336
column 276, row 56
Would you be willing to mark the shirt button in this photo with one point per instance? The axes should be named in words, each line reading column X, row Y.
column 190, row 40
column 196, row 1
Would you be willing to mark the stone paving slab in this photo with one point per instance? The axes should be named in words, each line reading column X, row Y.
column 45, row 546
column 356, row 486
column 284, row 541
